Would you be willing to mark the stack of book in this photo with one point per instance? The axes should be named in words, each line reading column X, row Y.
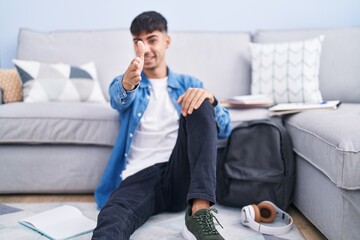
column 247, row 101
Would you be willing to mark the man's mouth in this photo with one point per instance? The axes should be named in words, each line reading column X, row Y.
column 148, row 59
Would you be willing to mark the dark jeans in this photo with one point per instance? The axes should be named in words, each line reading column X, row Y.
column 171, row 186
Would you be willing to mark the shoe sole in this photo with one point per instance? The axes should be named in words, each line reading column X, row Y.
column 187, row 234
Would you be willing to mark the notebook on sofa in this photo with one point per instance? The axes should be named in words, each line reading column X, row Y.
column 63, row 222
column 288, row 108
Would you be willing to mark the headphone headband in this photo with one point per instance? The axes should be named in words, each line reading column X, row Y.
column 248, row 219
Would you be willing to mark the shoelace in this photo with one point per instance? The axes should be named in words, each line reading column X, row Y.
column 207, row 223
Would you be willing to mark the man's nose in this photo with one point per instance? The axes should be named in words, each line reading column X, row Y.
column 147, row 47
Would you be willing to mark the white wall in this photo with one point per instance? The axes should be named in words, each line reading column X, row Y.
column 187, row 15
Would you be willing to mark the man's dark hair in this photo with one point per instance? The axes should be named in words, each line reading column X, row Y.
column 148, row 22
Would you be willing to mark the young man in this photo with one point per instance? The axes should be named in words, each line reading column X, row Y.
column 164, row 158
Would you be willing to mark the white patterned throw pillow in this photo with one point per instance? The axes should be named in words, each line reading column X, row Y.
column 288, row 71
column 45, row 82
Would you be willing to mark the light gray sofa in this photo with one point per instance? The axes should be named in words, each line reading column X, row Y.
column 64, row 147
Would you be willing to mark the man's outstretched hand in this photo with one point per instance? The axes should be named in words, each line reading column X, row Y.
column 132, row 76
column 192, row 100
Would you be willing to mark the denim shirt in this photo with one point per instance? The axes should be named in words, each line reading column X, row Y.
column 131, row 106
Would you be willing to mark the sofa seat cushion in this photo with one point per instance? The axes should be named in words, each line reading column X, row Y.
column 58, row 123
column 330, row 141
column 75, row 123
column 238, row 116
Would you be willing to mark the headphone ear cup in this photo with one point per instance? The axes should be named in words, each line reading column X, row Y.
column 267, row 212
column 257, row 216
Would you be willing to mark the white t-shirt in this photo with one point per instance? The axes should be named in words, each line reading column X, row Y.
column 156, row 135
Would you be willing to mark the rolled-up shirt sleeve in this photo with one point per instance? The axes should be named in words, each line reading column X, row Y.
column 223, row 121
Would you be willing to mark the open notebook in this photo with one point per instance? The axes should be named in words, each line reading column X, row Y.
column 63, row 222
column 288, row 108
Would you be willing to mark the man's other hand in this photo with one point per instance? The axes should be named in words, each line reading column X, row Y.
column 132, row 76
column 192, row 100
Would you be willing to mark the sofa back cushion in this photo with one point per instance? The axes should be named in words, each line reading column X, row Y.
column 104, row 48
column 220, row 60
column 339, row 62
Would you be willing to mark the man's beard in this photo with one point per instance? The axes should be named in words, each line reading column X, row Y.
column 150, row 68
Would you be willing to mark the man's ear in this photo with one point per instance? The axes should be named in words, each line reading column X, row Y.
column 167, row 40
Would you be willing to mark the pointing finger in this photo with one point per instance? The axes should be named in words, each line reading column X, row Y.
column 140, row 51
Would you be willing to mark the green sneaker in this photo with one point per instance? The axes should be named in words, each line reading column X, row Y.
column 200, row 226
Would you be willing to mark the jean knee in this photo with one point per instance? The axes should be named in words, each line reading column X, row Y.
column 204, row 112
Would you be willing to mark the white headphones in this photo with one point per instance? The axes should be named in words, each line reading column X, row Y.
column 265, row 212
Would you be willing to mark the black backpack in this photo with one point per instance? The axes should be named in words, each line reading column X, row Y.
column 257, row 164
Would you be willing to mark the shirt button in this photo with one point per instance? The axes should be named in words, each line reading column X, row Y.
column 125, row 154
column 148, row 97
column 131, row 135
column 139, row 114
